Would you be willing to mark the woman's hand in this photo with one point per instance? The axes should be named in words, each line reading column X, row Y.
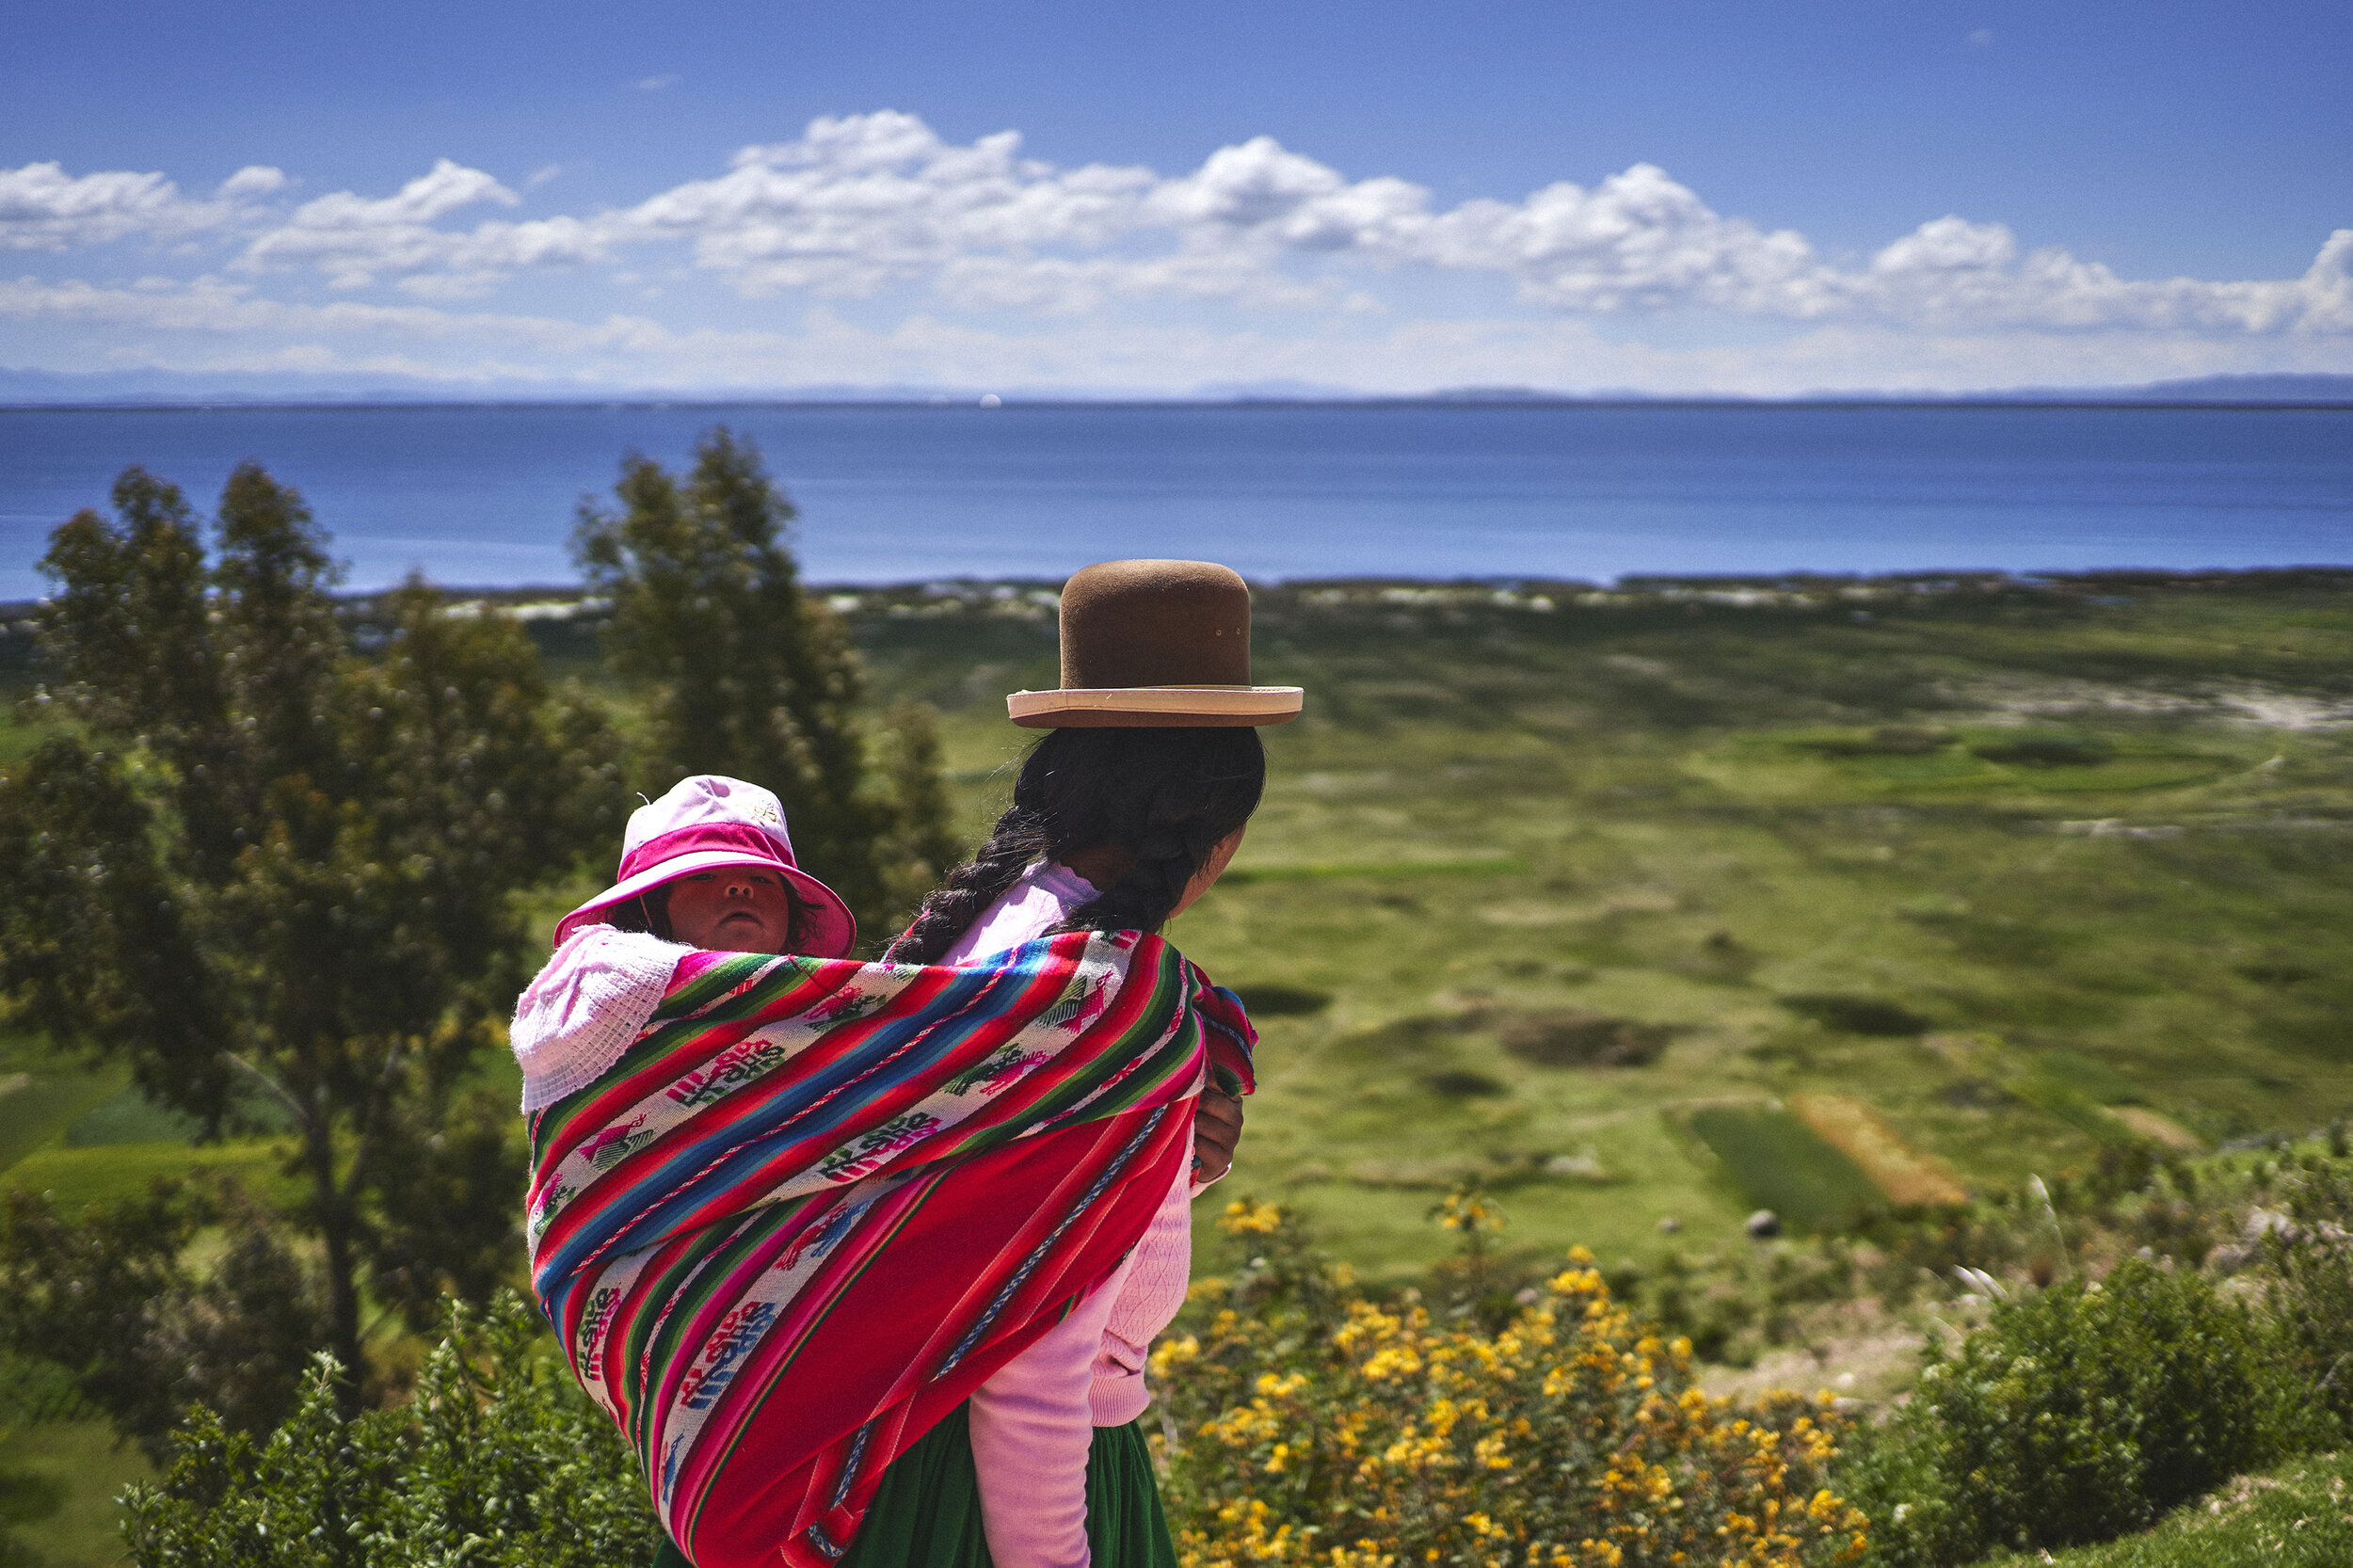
column 1216, row 1130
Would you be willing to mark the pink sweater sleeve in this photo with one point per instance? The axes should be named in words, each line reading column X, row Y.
column 1149, row 1298
column 1031, row 1428
column 1034, row 1420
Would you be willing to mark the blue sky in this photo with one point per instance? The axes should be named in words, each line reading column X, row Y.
column 1392, row 196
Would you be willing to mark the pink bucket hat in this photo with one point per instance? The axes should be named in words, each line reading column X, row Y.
column 703, row 823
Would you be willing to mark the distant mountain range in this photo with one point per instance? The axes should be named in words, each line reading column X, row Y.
column 2298, row 389
column 23, row 388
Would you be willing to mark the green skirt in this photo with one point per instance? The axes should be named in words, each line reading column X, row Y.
column 927, row 1513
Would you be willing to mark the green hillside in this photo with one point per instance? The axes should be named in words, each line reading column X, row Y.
column 1654, row 908
column 2024, row 870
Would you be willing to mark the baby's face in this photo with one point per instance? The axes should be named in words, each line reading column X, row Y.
column 733, row 909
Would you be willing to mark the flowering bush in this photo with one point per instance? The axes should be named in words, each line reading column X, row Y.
column 1312, row 1425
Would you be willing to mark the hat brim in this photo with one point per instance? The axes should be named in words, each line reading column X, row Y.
column 834, row 931
column 1155, row 707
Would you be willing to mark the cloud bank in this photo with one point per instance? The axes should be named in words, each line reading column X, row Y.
column 1071, row 270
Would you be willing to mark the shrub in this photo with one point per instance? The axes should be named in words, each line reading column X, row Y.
column 2075, row 1415
column 1854, row 1015
column 499, row 1462
column 1305, row 1420
column 1309, row 1423
column 2309, row 1285
column 1582, row 1039
column 1272, row 1000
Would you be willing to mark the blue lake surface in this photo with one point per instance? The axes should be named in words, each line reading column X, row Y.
column 486, row 496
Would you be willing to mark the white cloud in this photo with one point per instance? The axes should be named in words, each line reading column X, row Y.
column 44, row 208
column 656, row 84
column 1266, row 265
column 354, row 239
column 865, row 201
column 868, row 201
column 214, row 306
column 861, row 203
column 1404, row 356
column 444, row 189
column 253, row 180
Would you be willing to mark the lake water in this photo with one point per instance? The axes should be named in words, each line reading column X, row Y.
column 485, row 496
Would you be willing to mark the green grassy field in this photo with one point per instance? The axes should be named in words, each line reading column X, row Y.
column 1993, row 862
column 1565, row 895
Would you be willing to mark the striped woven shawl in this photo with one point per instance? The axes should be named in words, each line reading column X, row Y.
column 816, row 1202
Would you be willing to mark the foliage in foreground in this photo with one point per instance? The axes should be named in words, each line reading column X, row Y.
column 2301, row 1517
column 1463, row 1423
column 1321, row 1427
column 499, row 1462
column 1316, row 1425
column 2076, row 1415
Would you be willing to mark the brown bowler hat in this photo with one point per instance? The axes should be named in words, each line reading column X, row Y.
column 1155, row 644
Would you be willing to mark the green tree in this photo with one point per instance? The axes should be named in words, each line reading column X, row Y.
column 749, row 676
column 265, row 866
column 108, row 1297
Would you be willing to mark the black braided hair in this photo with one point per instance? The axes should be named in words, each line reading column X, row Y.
column 1167, row 796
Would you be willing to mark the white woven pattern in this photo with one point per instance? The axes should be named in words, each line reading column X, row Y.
column 574, row 1021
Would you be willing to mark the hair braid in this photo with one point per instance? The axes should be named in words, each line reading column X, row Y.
column 1166, row 858
column 1167, row 796
column 971, row 888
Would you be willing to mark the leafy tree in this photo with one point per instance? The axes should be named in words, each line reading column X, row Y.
column 922, row 844
column 266, row 866
column 753, row 678
column 107, row 1298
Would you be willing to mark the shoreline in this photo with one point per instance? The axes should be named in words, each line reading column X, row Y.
column 557, row 601
column 1853, row 401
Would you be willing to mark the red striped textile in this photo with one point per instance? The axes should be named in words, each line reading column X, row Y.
column 816, row 1202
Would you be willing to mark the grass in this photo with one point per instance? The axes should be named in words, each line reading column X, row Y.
column 1986, row 866
column 90, row 1470
column 129, row 1117
column 2301, row 1516
column 1779, row 1163
column 1377, row 871
column 40, row 1096
column 1896, row 1172
column 111, row 1173
column 2098, row 832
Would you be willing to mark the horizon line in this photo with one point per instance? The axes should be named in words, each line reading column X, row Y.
column 999, row 403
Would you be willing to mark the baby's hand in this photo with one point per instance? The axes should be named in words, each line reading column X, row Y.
column 1216, row 1130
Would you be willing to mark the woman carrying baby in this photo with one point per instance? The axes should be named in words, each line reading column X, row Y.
column 866, row 1258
